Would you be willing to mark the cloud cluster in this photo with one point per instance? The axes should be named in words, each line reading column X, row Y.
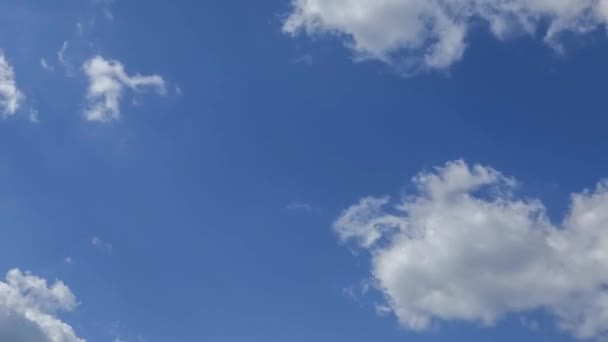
column 432, row 34
column 10, row 96
column 107, row 83
column 463, row 247
column 107, row 80
column 28, row 307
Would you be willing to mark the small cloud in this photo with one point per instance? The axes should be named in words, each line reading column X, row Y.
column 356, row 292
column 300, row 206
column 383, row 310
column 79, row 28
column 108, row 15
column 303, row 207
column 62, row 51
column 33, row 116
column 304, row 59
column 107, row 83
column 65, row 60
column 101, row 245
column 45, row 65
column 350, row 293
column 68, row 260
column 178, row 91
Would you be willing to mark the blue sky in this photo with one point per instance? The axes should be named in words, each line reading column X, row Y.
column 315, row 170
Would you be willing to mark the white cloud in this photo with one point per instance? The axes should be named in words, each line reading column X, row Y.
column 28, row 307
column 107, row 82
column 465, row 248
column 10, row 96
column 415, row 34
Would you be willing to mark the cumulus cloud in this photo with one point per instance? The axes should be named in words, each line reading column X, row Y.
column 432, row 34
column 107, row 82
column 28, row 307
column 464, row 247
column 10, row 96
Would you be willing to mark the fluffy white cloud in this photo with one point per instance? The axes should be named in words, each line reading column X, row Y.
column 413, row 34
column 10, row 96
column 464, row 247
column 28, row 307
column 107, row 83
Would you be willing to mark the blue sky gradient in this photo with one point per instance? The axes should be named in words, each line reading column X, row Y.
column 212, row 206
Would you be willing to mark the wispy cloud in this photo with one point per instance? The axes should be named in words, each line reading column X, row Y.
column 304, row 59
column 34, row 115
column 62, row 57
column 101, row 245
column 300, row 206
column 45, row 65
